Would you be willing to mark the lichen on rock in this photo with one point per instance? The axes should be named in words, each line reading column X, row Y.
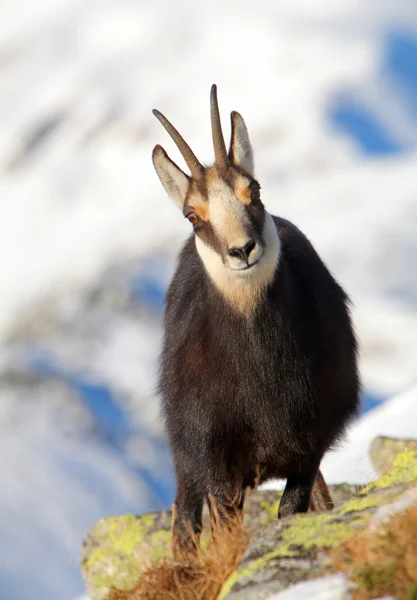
column 281, row 553
column 293, row 550
column 384, row 451
column 117, row 549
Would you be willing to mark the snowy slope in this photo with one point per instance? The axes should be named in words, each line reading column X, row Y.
column 397, row 417
column 76, row 174
column 88, row 239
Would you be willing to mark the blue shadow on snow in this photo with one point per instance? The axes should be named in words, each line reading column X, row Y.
column 111, row 421
column 348, row 115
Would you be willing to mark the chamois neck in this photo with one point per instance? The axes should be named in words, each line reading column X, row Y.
column 244, row 292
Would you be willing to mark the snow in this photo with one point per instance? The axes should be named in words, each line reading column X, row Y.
column 47, row 504
column 88, row 239
column 396, row 417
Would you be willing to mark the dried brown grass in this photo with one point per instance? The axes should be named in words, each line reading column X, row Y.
column 384, row 562
column 196, row 576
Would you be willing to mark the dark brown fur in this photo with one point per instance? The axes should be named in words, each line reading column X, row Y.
column 246, row 399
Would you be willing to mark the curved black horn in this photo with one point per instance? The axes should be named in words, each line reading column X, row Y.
column 188, row 155
column 220, row 151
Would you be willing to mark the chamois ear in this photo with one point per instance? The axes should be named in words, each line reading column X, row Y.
column 175, row 181
column 240, row 152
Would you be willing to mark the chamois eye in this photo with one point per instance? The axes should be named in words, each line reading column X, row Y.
column 192, row 217
column 255, row 192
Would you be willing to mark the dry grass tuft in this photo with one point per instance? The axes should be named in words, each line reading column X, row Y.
column 198, row 576
column 383, row 562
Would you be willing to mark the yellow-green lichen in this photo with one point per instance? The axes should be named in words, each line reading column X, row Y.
column 126, row 532
column 159, row 544
column 305, row 532
column 126, row 544
column 251, row 569
column 404, row 471
column 115, row 571
column 326, row 530
column 323, row 530
column 270, row 509
column 362, row 503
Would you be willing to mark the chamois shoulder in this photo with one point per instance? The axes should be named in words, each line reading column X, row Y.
column 294, row 241
column 304, row 262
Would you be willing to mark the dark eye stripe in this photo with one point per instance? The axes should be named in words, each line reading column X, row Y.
column 255, row 191
column 256, row 213
column 255, row 195
column 209, row 237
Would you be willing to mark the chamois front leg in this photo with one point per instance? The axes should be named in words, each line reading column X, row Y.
column 225, row 510
column 186, row 518
column 297, row 493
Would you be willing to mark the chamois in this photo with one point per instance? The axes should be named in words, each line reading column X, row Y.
column 258, row 373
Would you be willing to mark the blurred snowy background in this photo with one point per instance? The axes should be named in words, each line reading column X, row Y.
column 88, row 237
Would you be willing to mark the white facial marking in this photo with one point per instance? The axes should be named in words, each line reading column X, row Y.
column 243, row 287
column 230, row 223
column 227, row 215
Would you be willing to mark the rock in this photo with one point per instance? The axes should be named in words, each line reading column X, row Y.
column 384, row 513
column 332, row 587
column 281, row 554
column 261, row 506
column 292, row 550
column 384, row 451
column 116, row 549
column 107, row 558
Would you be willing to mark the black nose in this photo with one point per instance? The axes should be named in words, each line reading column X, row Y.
column 243, row 253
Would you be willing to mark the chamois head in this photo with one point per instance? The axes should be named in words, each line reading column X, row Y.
column 235, row 236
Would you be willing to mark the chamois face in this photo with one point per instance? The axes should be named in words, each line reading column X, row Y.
column 235, row 236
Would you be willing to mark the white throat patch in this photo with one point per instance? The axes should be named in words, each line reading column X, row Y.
column 243, row 289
